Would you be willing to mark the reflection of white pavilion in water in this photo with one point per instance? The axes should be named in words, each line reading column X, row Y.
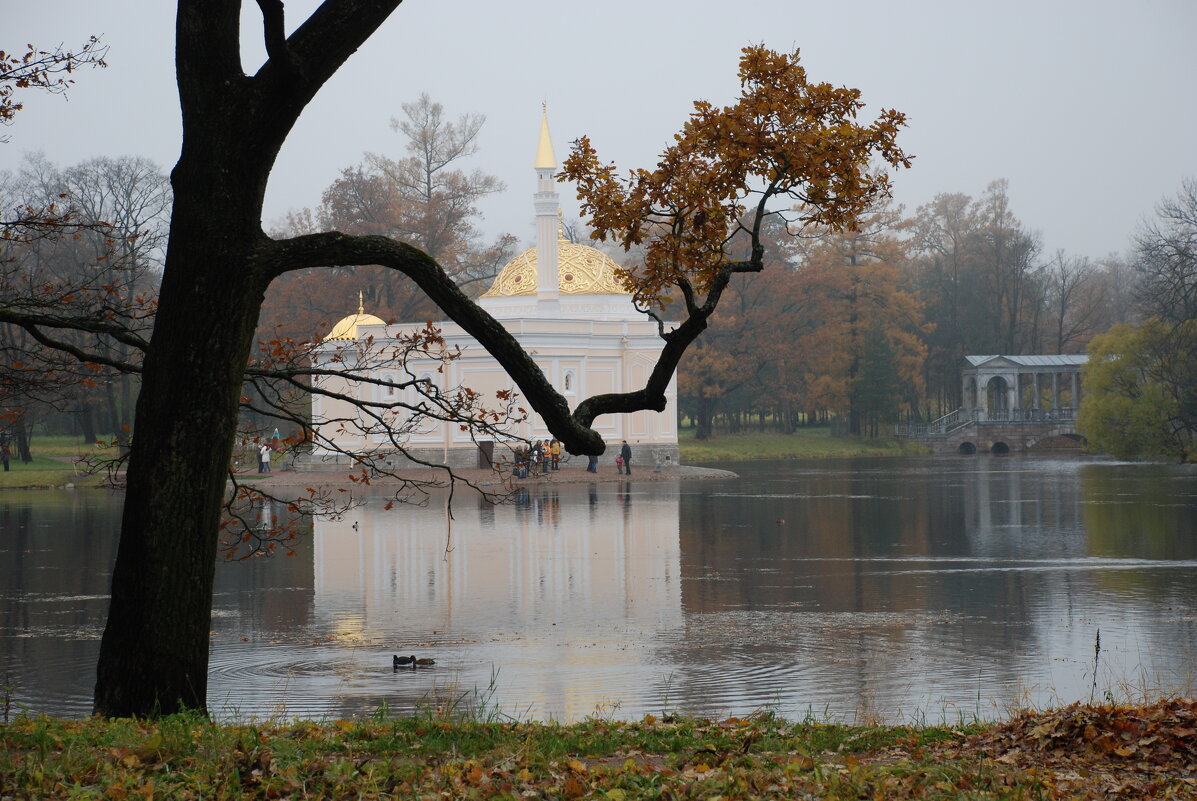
column 562, row 302
column 582, row 580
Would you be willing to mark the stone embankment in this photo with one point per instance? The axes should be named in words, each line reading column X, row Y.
column 568, row 474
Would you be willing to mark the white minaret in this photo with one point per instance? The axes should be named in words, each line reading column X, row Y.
column 548, row 208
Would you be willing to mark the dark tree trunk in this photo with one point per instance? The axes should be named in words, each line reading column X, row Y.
column 785, row 416
column 702, row 416
column 123, row 423
column 87, row 424
column 154, row 654
column 113, row 409
column 24, row 429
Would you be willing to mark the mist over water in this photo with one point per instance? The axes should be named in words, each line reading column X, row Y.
column 894, row 589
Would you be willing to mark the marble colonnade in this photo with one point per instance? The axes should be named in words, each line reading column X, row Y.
column 1013, row 388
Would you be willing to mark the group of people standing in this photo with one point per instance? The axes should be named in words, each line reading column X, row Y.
column 544, row 455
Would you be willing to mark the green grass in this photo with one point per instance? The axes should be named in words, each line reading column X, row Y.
column 49, row 468
column 805, row 443
column 187, row 757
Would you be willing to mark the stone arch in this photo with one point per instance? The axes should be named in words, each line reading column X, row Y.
column 967, row 449
column 998, row 394
column 999, row 449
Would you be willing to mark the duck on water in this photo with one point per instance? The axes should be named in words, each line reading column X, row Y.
column 411, row 661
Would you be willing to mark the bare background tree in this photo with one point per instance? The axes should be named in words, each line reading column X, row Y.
column 425, row 198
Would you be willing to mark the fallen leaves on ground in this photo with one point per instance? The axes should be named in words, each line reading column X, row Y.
column 1087, row 751
column 1078, row 752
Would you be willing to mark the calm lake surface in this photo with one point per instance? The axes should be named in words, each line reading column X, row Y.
column 894, row 589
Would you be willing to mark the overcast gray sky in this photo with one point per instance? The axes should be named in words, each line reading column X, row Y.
column 1087, row 107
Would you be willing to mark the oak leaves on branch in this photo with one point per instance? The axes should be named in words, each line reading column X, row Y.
column 785, row 137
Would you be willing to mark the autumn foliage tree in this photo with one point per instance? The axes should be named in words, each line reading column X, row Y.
column 785, row 140
column 864, row 358
column 835, row 330
column 741, row 360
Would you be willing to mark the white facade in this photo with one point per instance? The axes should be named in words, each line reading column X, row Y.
column 565, row 305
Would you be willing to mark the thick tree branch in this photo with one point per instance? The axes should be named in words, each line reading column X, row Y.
column 31, row 321
column 318, row 48
column 273, row 29
column 78, row 353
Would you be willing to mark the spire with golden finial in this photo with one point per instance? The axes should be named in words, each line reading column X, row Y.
column 545, row 160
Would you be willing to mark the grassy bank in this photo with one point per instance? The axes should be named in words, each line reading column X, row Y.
column 58, row 461
column 1078, row 752
column 805, row 443
column 53, row 464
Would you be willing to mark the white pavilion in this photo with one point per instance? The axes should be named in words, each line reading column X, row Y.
column 562, row 302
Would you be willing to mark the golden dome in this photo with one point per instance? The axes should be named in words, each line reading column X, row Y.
column 583, row 270
column 347, row 327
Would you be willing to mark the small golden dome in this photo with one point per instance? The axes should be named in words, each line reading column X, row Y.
column 347, row 327
column 582, row 270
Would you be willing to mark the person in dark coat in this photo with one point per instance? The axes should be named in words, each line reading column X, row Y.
column 626, row 453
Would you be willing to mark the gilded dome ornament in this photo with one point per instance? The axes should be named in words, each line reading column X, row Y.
column 346, row 328
column 582, row 270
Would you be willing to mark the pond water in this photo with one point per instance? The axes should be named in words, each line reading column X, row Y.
column 889, row 589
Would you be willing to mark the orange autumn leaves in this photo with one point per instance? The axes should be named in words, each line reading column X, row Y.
column 785, row 139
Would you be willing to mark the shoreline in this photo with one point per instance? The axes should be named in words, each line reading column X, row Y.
column 568, row 474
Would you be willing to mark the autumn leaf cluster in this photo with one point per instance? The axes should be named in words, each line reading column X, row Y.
column 786, row 138
column 1087, row 751
column 42, row 69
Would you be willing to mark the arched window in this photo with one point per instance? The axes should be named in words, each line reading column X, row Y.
column 568, row 381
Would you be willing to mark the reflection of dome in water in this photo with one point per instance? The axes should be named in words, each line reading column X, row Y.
column 583, row 270
column 347, row 327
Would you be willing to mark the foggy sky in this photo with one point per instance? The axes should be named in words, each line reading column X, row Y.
column 1087, row 107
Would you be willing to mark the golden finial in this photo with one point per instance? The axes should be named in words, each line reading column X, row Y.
column 361, row 307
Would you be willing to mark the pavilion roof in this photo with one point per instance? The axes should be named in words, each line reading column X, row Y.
column 1041, row 360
